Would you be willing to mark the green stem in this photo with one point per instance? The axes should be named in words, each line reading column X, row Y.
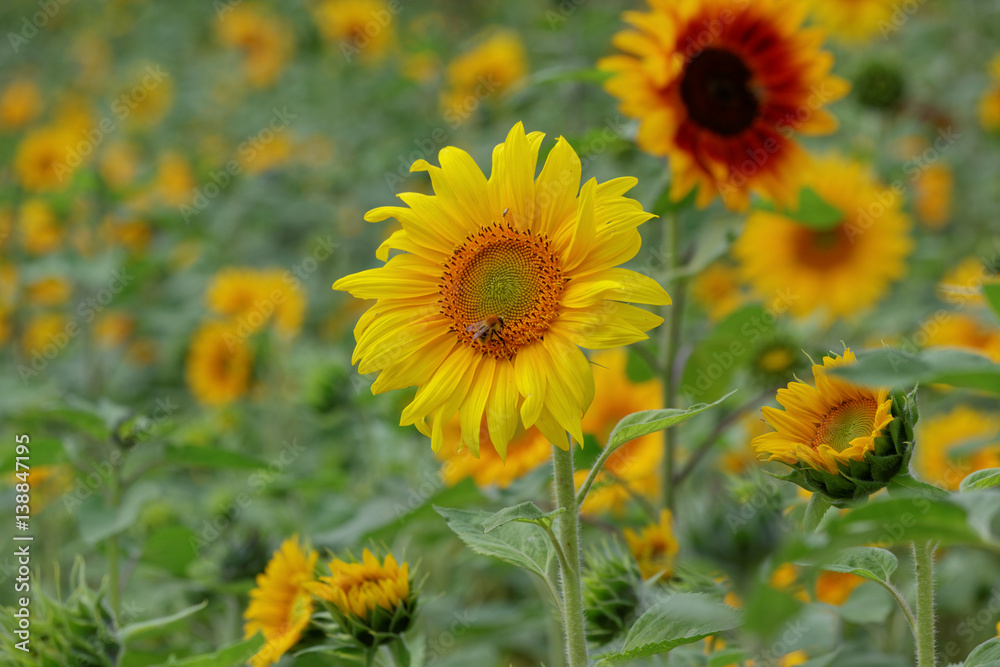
column 114, row 548
column 923, row 565
column 669, row 344
column 569, row 536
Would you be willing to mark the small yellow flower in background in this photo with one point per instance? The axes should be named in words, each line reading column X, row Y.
column 492, row 68
column 119, row 164
column 421, row 67
column 933, row 196
column 5, row 328
column 134, row 235
column 853, row 21
column 357, row 28
column 50, row 291
column 289, row 301
column 48, row 483
column 234, row 292
column 989, row 103
column 654, row 548
column 499, row 284
column 281, row 604
column 963, row 284
column 722, row 105
column 112, row 329
column 718, row 290
column 966, row 332
column 38, row 227
column 634, row 468
column 142, row 352
column 835, row 587
column 266, row 41
column 841, row 271
column 527, row 451
column 20, row 103
column 219, row 364
column 43, row 335
column 252, row 297
column 794, row 659
column 786, row 578
column 372, row 601
column 956, row 444
column 145, row 97
column 742, row 457
column 267, row 155
column 175, row 183
column 43, row 158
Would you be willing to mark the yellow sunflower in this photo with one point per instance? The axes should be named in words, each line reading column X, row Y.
column 842, row 270
column 654, row 548
column 112, row 329
column 281, row 604
column 492, row 68
column 721, row 87
column 854, row 21
column 966, row 332
column 718, row 290
column 989, row 103
column 956, row 444
column 933, row 196
column 219, row 364
column 963, row 284
column 264, row 39
column 119, row 164
column 526, row 451
column 634, row 468
column 50, row 291
column 253, row 297
column 20, row 103
column 235, row 292
column 44, row 333
column 174, row 183
column 499, row 284
column 357, row 589
column 833, row 422
column 835, row 587
column 38, row 227
column 358, row 27
column 43, row 157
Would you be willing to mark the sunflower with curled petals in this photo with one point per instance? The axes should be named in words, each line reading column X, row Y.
column 720, row 88
column 500, row 283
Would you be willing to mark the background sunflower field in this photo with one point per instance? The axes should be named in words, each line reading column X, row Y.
column 182, row 182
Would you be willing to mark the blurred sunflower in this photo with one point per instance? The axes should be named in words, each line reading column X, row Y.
column 281, row 604
column 289, row 301
column 634, row 468
column 252, row 297
column 494, row 67
column 112, row 329
column 174, row 183
column 835, row 587
column 358, row 27
column 118, row 164
column 49, row 291
column 933, row 196
column 500, row 283
column 654, row 548
column 143, row 100
column 833, row 422
column 42, row 157
column 219, row 364
column 722, row 104
column 853, row 21
column 20, row 103
column 966, row 332
column 718, row 290
column 265, row 40
column 235, row 292
column 963, row 284
column 842, row 270
column 956, row 444
column 43, row 331
column 38, row 227
column 526, row 451
column 989, row 103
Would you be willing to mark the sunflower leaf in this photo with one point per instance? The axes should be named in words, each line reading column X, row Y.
column 515, row 543
column 992, row 293
column 986, row 654
column 526, row 512
column 645, row 422
column 231, row 656
column 680, row 619
column 981, row 479
column 813, row 211
column 817, row 508
column 891, row 367
column 158, row 626
column 869, row 563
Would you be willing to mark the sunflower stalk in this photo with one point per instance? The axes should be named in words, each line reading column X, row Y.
column 569, row 537
column 923, row 566
column 670, row 332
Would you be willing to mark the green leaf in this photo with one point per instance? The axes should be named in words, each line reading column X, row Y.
column 813, row 211
column 817, row 508
column 526, row 512
column 158, row 626
column 890, row 367
column 768, row 610
column 680, row 619
column 642, row 423
column 986, row 654
column 992, row 293
column 81, row 420
column 515, row 543
column 211, row 457
column 170, row 548
column 981, row 479
column 869, row 563
column 231, row 656
column 97, row 521
column 716, row 357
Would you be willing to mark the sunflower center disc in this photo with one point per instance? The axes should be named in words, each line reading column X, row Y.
column 716, row 90
column 852, row 419
column 501, row 289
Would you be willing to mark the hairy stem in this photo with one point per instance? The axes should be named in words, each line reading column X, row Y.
column 923, row 565
column 569, row 537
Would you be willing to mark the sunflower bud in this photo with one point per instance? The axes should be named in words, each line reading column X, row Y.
column 880, row 86
column 373, row 603
column 840, row 439
column 610, row 594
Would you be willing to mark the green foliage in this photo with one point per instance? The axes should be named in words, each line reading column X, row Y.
column 645, row 422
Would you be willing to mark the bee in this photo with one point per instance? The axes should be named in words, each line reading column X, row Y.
column 486, row 328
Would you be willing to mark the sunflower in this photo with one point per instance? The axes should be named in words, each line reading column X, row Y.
column 956, row 444
column 281, row 604
column 219, row 364
column 235, row 292
column 828, row 425
column 853, row 21
column 720, row 87
column 965, row 332
column 356, row 26
column 963, row 284
column 42, row 160
column 989, row 103
column 841, row 270
column 50, row 291
column 654, row 548
column 527, row 451
column 264, row 39
column 835, row 587
column 20, row 103
column 718, row 290
column 493, row 67
column 933, row 196
column 112, row 329
column 119, row 164
column 500, row 283
column 253, row 297
column 633, row 469
column 38, row 227
column 44, row 333
column 174, row 183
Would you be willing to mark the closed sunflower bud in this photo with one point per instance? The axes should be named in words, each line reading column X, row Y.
column 610, row 594
column 372, row 602
column 841, row 440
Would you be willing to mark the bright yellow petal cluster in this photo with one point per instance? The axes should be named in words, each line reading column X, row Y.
column 963, row 284
column 499, row 284
column 38, row 227
column 654, row 548
column 833, row 422
column 358, row 588
column 44, row 159
column 840, row 271
column 281, row 604
column 528, row 450
column 956, row 444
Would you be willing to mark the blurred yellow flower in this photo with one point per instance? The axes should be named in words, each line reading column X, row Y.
column 251, row 297
column 526, row 452
column 38, row 228
column 265, row 39
column 43, row 157
column 112, row 329
column 48, row 330
column 134, row 235
column 267, row 155
column 118, row 164
column 281, row 604
column 723, row 105
column 492, row 68
column 854, row 21
column 289, row 301
column 840, row 271
column 48, row 482
column 358, row 589
column 219, row 364
column 421, row 67
column 358, row 27
column 175, row 183
column 145, row 98
column 794, row 659
column 933, row 195
column 956, row 444
column 50, row 291
column 966, row 332
column 20, row 103
column 835, row 587
column 718, row 290
column 989, row 103
column 654, row 548
column 963, row 284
